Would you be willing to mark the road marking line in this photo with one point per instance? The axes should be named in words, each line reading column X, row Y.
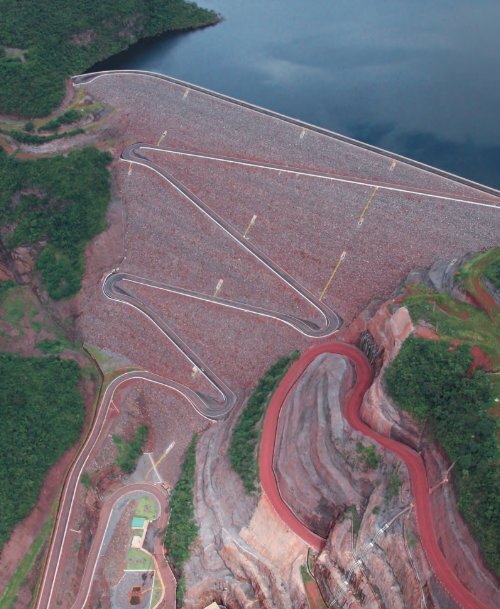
column 393, row 165
column 161, row 137
column 218, row 286
column 321, row 176
column 365, row 208
column 250, row 224
column 186, row 93
column 325, row 289
column 302, row 133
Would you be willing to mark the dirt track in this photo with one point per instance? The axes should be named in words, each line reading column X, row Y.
column 412, row 459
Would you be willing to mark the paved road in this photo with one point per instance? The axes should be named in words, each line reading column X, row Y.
column 418, row 476
column 61, row 539
column 94, row 554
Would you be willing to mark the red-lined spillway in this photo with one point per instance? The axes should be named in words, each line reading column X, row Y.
column 412, row 459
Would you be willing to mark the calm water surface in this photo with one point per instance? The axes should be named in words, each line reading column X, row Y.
column 419, row 77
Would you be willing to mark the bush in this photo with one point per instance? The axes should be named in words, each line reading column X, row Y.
column 49, row 346
column 246, row 433
column 433, row 381
column 70, row 116
column 182, row 528
column 394, row 486
column 129, row 452
column 30, row 138
column 368, row 455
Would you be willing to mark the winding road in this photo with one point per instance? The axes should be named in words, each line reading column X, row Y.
column 215, row 409
column 416, row 468
column 115, row 288
column 97, row 541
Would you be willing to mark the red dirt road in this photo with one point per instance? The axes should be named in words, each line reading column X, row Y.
column 412, row 459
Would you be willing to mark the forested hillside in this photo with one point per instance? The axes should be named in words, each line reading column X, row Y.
column 41, row 43
column 42, row 416
column 56, row 204
column 434, row 381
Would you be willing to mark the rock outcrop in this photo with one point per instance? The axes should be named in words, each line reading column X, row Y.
column 246, row 557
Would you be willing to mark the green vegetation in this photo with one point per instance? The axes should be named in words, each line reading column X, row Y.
column 66, row 207
column 182, row 528
column 246, row 434
column 455, row 320
column 60, row 38
column 33, row 138
column 394, row 485
column 5, row 286
column 66, row 118
column 146, row 508
column 129, row 452
column 368, row 455
column 33, row 558
column 356, row 518
column 13, row 303
column 487, row 264
column 433, row 381
column 314, row 599
column 42, row 416
column 492, row 273
column 50, row 346
column 85, row 480
column 139, row 560
column 412, row 538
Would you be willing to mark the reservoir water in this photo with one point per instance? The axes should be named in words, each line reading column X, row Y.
column 419, row 77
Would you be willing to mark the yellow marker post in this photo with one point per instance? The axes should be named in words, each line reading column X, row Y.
column 330, row 279
column 365, row 208
column 161, row 137
column 393, row 164
column 129, row 169
column 250, row 224
column 165, row 453
column 186, row 93
column 302, row 133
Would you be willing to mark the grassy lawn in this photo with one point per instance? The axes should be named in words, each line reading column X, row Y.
column 34, row 556
column 147, row 508
column 139, row 560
